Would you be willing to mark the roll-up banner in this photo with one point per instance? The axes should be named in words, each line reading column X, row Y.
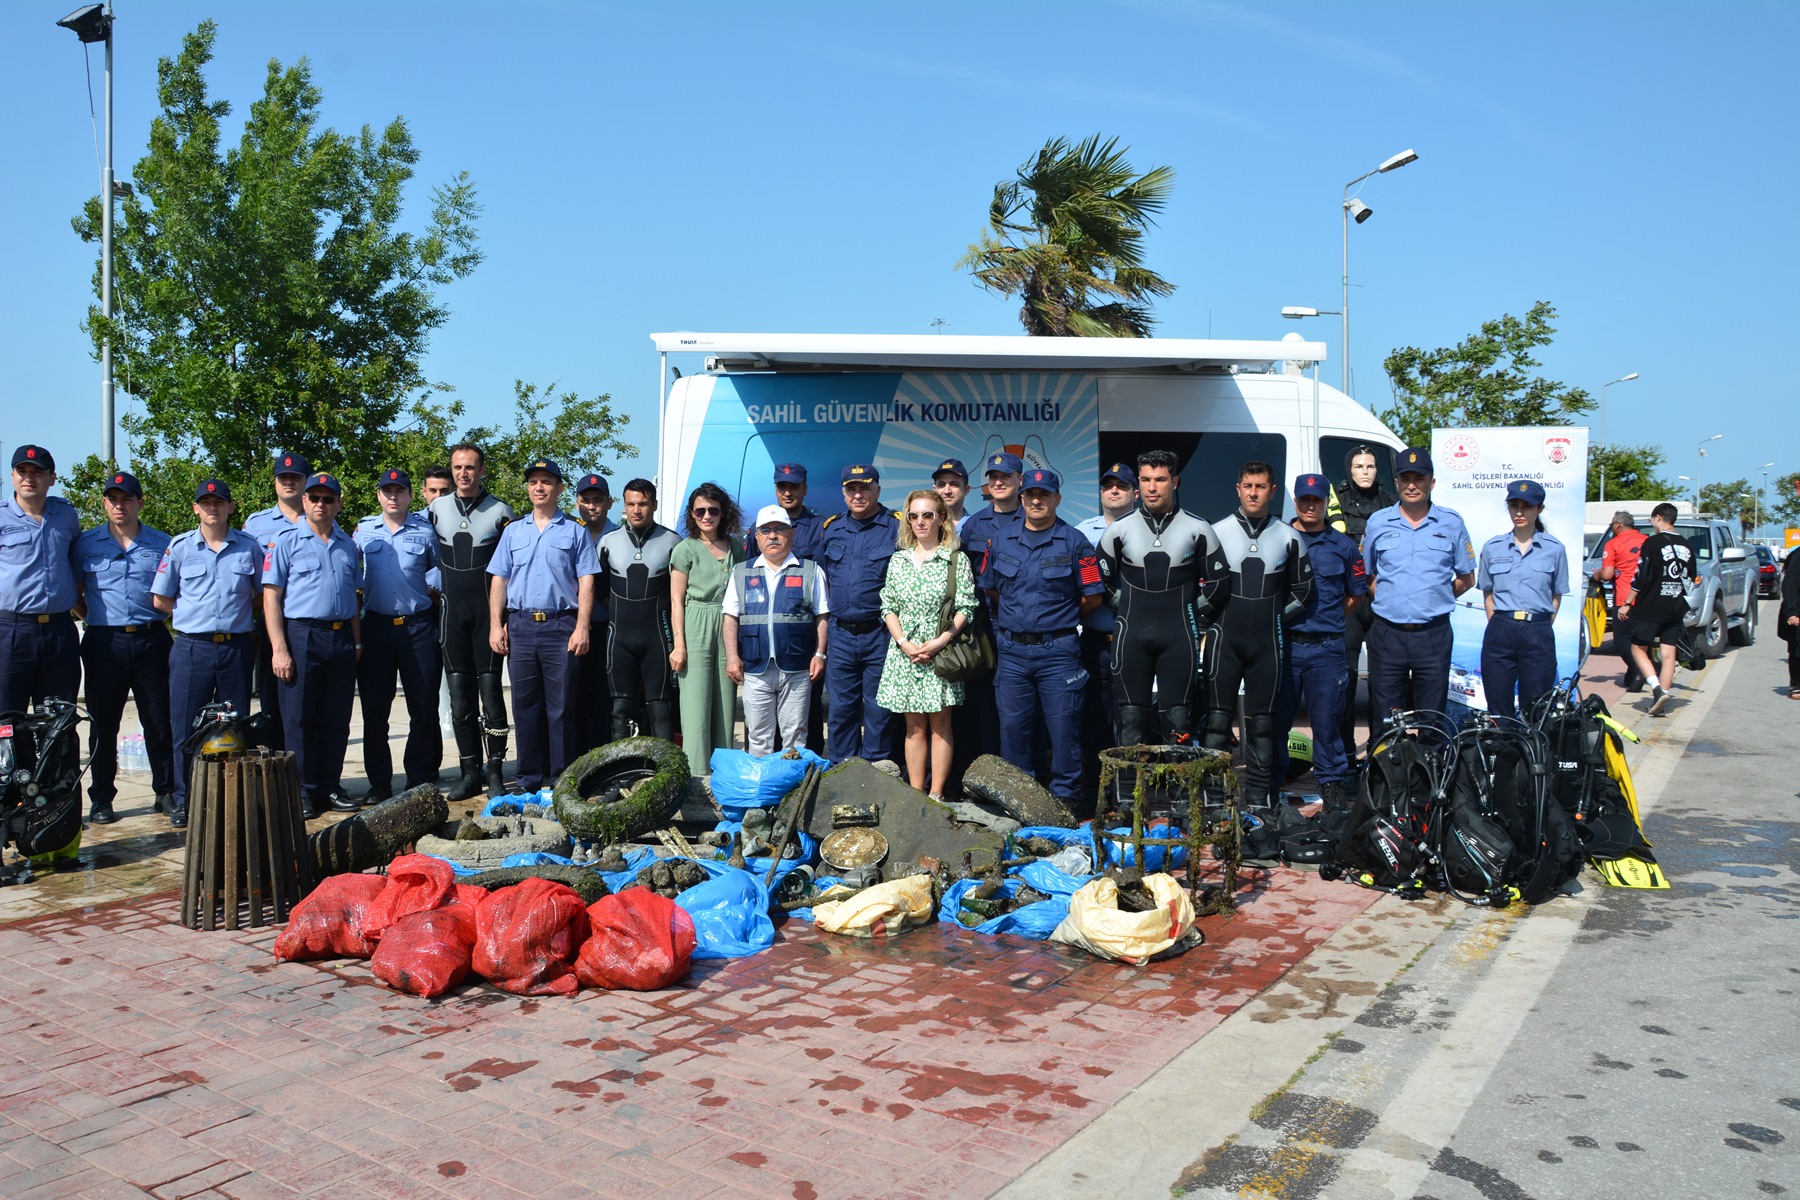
column 1473, row 467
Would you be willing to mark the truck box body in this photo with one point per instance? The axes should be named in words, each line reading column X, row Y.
column 1071, row 405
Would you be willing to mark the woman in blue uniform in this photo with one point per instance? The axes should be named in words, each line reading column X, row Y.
column 1523, row 577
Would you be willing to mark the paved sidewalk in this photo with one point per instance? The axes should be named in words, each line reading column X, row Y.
column 139, row 1056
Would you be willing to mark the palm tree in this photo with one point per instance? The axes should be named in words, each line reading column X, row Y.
column 1066, row 236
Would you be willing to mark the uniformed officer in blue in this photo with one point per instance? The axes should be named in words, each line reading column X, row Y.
column 1523, row 576
column 543, row 576
column 209, row 581
column 854, row 549
column 975, row 723
column 1315, row 669
column 950, row 480
column 401, row 582
column 310, row 582
column 790, row 494
column 1419, row 561
column 593, row 705
column 1100, row 709
column 265, row 525
column 1043, row 577
column 39, row 658
column 125, row 647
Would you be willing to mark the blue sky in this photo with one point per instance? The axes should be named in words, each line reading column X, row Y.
column 820, row 167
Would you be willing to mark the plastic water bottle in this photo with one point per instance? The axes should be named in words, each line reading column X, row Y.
column 133, row 758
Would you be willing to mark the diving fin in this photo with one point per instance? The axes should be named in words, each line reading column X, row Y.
column 1630, row 871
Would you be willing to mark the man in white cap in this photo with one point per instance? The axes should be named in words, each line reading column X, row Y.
column 775, row 611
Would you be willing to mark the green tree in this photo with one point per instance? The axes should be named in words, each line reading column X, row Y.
column 1783, row 506
column 266, row 296
column 1487, row 379
column 1632, row 473
column 1066, row 236
column 1735, row 498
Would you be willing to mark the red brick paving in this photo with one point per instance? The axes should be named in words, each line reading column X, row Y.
column 140, row 1058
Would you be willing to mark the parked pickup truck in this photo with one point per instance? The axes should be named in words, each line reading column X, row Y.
column 1726, row 610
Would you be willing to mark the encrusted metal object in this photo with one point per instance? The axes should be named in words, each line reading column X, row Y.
column 1206, row 779
column 858, row 846
column 846, row 816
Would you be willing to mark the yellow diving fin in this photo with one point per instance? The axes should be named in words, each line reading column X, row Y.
column 1630, row 871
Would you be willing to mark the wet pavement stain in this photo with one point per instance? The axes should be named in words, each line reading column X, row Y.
column 452, row 1169
column 931, row 1082
column 1490, row 1183
column 583, row 1088
column 750, row 1158
column 803, row 1190
column 494, row 1068
column 1756, row 1133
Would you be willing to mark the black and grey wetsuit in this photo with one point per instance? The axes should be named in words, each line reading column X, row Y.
column 1163, row 573
column 467, row 532
column 1270, row 581
column 635, row 568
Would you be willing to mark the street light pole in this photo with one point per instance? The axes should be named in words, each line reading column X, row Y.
column 94, row 23
column 1699, row 464
column 1756, row 508
column 1356, row 208
column 1604, row 443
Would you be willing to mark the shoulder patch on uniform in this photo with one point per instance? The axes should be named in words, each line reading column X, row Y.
column 829, row 520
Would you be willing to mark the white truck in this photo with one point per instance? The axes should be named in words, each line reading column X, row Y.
column 906, row 403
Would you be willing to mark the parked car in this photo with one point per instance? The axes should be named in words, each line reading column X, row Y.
column 1768, row 578
column 1725, row 609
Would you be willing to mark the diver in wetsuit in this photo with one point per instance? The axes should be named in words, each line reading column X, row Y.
column 468, row 522
column 634, row 568
column 1270, row 581
column 1163, row 570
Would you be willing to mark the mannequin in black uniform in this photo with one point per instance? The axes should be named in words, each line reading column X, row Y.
column 1355, row 498
column 1163, row 571
column 468, row 523
column 634, row 567
column 1270, row 581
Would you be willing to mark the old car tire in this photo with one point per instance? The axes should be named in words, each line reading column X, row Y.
column 662, row 766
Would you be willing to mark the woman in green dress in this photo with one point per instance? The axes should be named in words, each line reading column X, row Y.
column 699, row 569
column 911, row 607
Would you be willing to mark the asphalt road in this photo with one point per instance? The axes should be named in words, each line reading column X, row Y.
column 1610, row 1043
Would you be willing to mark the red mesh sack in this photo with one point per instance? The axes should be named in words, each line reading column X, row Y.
column 527, row 936
column 329, row 922
column 427, row 953
column 639, row 941
column 470, row 895
column 415, row 883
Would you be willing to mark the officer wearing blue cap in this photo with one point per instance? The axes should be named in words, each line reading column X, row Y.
column 1523, row 576
column 1315, row 669
column 1043, row 578
column 854, row 548
column 125, row 646
column 39, row 658
column 950, row 480
column 790, row 493
column 265, row 525
column 210, row 582
column 975, row 723
column 540, row 609
column 401, row 582
column 593, row 692
column 310, row 582
column 1100, row 712
column 1419, row 561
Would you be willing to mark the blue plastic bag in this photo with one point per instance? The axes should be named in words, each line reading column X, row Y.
column 543, row 796
column 1050, row 881
column 1035, row 921
column 1156, row 858
column 730, row 911
column 741, row 780
column 820, row 883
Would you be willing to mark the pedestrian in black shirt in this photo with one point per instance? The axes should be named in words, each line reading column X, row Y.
column 1657, row 601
